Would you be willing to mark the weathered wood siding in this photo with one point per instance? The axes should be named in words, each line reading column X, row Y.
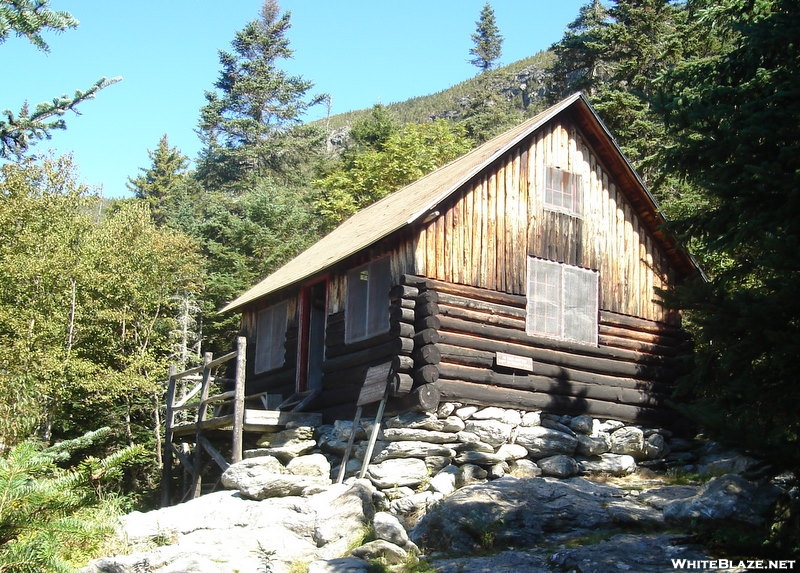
column 486, row 230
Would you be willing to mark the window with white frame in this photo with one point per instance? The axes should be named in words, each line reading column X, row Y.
column 562, row 301
column 562, row 190
column 367, row 312
column 271, row 337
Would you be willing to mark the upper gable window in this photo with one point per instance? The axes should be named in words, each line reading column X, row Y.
column 271, row 337
column 562, row 301
column 367, row 312
column 562, row 190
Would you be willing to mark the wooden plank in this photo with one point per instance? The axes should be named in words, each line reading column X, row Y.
column 486, row 359
column 375, row 383
column 222, row 359
column 466, row 392
column 555, row 386
column 349, row 448
column 550, row 355
column 169, row 449
column 215, row 455
column 490, row 243
column 255, row 419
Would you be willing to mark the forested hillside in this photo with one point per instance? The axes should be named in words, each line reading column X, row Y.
column 98, row 298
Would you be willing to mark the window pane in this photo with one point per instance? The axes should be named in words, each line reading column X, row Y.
column 562, row 301
column 270, row 337
column 544, row 297
column 580, row 305
column 356, row 310
column 562, row 190
column 379, row 286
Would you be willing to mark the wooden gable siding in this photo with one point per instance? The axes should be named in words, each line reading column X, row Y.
column 486, row 230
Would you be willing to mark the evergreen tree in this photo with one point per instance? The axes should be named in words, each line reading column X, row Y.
column 488, row 111
column 45, row 522
column 616, row 55
column 251, row 124
column 734, row 118
column 18, row 131
column 580, row 65
column 488, row 43
column 159, row 183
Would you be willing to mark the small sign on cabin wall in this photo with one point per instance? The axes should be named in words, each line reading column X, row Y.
column 515, row 361
column 375, row 383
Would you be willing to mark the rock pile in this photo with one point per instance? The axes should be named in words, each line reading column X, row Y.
column 437, row 453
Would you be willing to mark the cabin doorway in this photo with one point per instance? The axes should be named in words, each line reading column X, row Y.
column 311, row 350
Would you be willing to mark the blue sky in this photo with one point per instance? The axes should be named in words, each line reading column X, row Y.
column 361, row 52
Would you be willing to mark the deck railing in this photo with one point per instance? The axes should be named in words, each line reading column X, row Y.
column 196, row 419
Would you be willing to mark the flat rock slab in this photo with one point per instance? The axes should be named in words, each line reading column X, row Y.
column 521, row 513
column 634, row 553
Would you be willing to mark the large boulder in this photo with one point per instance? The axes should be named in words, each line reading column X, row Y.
column 398, row 472
column 544, row 442
column 614, row 464
column 223, row 532
column 726, row 498
column 521, row 512
column 264, row 477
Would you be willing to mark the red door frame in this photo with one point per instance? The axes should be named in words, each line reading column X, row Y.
column 304, row 333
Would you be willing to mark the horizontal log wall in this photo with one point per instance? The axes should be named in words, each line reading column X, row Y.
column 345, row 366
column 628, row 376
column 488, row 228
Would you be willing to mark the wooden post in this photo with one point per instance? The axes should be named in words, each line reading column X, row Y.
column 238, row 400
column 350, row 440
column 197, row 470
column 166, row 470
column 374, row 435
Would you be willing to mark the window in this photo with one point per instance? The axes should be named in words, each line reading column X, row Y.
column 562, row 190
column 270, row 337
column 562, row 301
column 367, row 312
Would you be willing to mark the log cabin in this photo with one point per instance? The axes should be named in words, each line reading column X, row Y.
column 525, row 274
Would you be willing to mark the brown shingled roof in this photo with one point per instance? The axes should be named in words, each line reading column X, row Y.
column 407, row 205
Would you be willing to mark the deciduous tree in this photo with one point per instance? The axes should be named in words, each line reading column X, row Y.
column 406, row 156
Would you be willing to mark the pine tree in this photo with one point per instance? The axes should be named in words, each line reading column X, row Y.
column 487, row 39
column 579, row 65
column 43, row 517
column 734, row 119
column 251, row 123
column 18, row 131
column 159, row 183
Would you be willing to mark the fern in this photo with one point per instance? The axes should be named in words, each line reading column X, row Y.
column 42, row 503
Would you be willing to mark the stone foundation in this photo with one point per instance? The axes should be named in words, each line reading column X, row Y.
column 420, row 458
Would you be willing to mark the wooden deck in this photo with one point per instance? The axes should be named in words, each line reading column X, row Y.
column 254, row 421
column 200, row 426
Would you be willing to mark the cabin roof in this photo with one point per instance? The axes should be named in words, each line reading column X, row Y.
column 413, row 202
